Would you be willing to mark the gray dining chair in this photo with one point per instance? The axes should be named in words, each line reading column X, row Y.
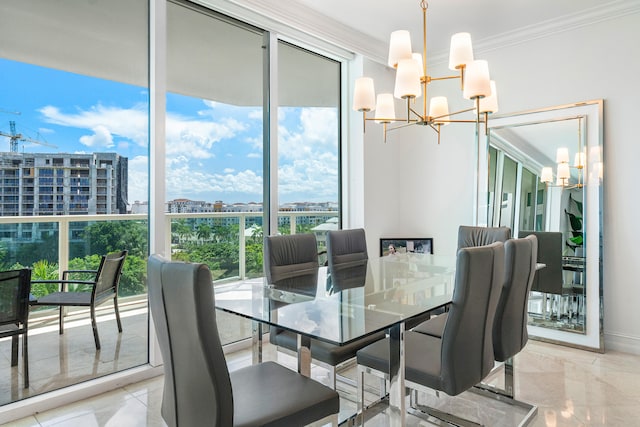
column 463, row 356
column 518, row 264
column 345, row 247
column 198, row 387
column 288, row 261
column 509, row 332
column 469, row 236
column 15, row 286
column 549, row 279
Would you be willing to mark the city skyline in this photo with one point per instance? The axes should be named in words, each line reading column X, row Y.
column 214, row 151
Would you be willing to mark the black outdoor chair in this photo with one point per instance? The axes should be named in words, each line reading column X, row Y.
column 104, row 287
column 15, row 286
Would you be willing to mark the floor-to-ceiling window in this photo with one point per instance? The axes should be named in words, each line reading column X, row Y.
column 74, row 115
column 214, row 145
column 308, row 142
column 73, row 161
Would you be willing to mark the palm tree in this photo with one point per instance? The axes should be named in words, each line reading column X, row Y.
column 181, row 228
column 203, row 231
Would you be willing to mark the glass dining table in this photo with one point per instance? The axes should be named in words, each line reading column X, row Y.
column 347, row 303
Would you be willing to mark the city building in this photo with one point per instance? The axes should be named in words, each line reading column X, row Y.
column 34, row 184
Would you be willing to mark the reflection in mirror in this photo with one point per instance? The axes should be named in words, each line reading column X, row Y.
column 544, row 177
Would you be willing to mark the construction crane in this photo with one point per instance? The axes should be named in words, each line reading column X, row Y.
column 15, row 137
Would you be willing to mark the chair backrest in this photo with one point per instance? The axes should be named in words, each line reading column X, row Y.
column 346, row 247
column 197, row 386
column 15, row 286
column 108, row 276
column 349, row 277
column 290, row 256
column 510, row 324
column 467, row 347
column 469, row 236
column 548, row 279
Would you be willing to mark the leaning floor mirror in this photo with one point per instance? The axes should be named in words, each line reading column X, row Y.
column 542, row 172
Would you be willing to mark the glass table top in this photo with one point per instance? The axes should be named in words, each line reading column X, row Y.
column 349, row 302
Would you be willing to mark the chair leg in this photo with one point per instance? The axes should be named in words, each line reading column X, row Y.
column 360, row 398
column 14, row 350
column 332, row 377
column 25, row 359
column 61, row 320
column 94, row 325
column 115, row 306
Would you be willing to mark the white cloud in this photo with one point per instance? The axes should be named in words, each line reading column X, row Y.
column 184, row 181
column 255, row 114
column 101, row 138
column 129, row 123
column 308, row 150
column 194, row 138
column 317, row 134
column 309, row 155
column 138, row 179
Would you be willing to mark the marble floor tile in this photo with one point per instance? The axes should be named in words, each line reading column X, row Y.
column 56, row 361
column 571, row 388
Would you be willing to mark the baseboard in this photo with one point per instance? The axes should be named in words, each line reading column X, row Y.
column 622, row 343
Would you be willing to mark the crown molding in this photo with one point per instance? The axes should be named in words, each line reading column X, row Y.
column 611, row 10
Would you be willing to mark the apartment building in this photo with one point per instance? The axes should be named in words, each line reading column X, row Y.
column 33, row 184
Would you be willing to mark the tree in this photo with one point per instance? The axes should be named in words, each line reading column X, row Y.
column 41, row 270
column 256, row 233
column 110, row 236
column 181, row 229
column 203, row 231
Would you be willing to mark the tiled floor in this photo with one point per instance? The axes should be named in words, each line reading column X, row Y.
column 571, row 388
column 57, row 361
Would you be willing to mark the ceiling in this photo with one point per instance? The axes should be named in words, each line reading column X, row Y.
column 486, row 20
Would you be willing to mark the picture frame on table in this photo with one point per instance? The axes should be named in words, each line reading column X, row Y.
column 390, row 246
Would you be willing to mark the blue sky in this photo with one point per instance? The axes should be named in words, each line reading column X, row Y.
column 214, row 151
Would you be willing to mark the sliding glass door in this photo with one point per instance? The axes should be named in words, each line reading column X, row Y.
column 73, row 159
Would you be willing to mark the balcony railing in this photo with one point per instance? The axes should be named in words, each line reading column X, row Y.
column 60, row 226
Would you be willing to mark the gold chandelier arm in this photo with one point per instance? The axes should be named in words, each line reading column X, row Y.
column 444, row 78
column 436, row 127
column 411, row 110
column 401, row 126
column 466, row 110
column 387, row 120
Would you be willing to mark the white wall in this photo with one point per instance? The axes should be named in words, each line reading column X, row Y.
column 410, row 180
column 433, row 185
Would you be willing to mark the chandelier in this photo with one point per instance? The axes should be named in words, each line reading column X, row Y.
column 412, row 81
column 563, row 169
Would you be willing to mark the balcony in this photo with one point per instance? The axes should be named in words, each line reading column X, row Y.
column 230, row 243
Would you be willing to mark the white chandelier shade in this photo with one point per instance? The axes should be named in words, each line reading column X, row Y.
column 407, row 79
column 399, row 47
column 460, row 51
column 439, row 109
column 385, row 108
column 477, row 82
column 364, row 94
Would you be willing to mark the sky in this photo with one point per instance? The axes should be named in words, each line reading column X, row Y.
column 214, row 150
